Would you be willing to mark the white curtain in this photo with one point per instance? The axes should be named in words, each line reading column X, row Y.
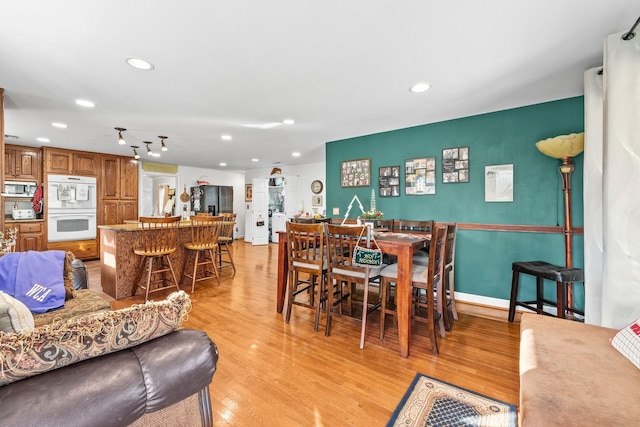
column 620, row 296
column 593, row 253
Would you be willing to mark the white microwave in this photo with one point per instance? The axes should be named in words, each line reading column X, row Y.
column 19, row 189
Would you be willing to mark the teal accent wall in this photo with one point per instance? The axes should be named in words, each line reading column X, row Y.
column 483, row 258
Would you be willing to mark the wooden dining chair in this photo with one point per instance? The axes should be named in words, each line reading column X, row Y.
column 158, row 241
column 424, row 279
column 420, row 227
column 205, row 231
column 341, row 243
column 307, row 268
column 449, row 297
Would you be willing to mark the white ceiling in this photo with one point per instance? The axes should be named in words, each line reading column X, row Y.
column 340, row 68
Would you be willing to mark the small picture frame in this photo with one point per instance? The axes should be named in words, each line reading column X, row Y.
column 248, row 192
column 455, row 165
column 355, row 173
column 316, row 200
column 389, row 181
column 420, row 176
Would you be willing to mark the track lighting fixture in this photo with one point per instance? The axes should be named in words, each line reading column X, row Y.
column 121, row 140
column 149, row 152
column 135, row 152
column 164, row 147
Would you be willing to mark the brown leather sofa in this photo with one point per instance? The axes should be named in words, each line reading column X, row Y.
column 160, row 382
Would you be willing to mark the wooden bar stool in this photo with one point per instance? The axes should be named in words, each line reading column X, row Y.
column 225, row 240
column 543, row 270
column 158, row 241
column 205, row 231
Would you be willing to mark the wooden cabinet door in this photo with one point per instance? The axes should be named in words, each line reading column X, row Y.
column 9, row 163
column 110, row 209
column 30, row 236
column 29, row 242
column 110, row 185
column 57, row 161
column 128, row 211
column 27, row 165
column 85, row 163
column 128, row 179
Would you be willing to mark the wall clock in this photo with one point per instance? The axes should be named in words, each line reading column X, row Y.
column 316, row 186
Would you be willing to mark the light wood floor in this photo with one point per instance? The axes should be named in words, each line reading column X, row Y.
column 275, row 374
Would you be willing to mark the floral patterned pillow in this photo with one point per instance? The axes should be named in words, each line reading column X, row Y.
column 63, row 343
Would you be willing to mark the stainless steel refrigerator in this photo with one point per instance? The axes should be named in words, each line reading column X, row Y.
column 213, row 199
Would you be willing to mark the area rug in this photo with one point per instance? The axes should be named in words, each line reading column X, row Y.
column 432, row 403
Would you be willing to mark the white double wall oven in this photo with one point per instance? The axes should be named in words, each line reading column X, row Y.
column 71, row 208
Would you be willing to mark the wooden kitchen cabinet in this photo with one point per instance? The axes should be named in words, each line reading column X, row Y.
column 22, row 163
column 119, row 211
column 30, row 235
column 65, row 162
column 118, row 189
column 119, row 178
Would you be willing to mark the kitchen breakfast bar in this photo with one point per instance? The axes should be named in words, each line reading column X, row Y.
column 119, row 264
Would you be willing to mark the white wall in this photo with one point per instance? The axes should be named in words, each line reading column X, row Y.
column 308, row 173
column 189, row 176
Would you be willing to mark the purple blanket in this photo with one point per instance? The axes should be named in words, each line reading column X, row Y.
column 35, row 278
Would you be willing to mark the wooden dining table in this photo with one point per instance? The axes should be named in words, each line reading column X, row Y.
column 401, row 245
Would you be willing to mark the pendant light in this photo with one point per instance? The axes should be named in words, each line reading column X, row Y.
column 164, row 147
column 121, row 140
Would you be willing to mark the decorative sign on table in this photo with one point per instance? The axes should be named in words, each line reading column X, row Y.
column 455, row 165
column 389, row 181
column 420, row 176
column 356, row 173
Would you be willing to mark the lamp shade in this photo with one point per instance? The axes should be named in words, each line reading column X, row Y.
column 562, row 146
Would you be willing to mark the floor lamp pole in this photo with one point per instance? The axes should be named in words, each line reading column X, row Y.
column 566, row 169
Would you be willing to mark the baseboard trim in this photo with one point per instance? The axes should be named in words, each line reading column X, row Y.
column 486, row 311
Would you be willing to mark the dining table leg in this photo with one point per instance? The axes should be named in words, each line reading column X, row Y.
column 403, row 289
column 283, row 271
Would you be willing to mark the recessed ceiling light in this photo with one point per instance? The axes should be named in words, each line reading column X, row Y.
column 59, row 125
column 85, row 103
column 43, row 139
column 288, row 121
column 295, row 154
column 255, row 160
column 264, row 125
column 140, row 64
column 223, row 164
column 226, row 137
column 420, row 87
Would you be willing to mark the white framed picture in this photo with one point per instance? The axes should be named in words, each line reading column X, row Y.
column 498, row 183
column 316, row 201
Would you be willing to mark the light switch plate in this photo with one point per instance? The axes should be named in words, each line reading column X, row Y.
column 336, row 211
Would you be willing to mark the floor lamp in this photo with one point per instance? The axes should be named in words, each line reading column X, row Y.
column 565, row 148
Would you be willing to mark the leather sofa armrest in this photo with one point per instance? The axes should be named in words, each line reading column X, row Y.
column 114, row 389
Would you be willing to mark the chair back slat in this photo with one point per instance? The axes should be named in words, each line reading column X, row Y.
column 159, row 235
column 205, row 231
column 405, row 225
column 436, row 256
column 306, row 247
column 450, row 247
column 341, row 242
